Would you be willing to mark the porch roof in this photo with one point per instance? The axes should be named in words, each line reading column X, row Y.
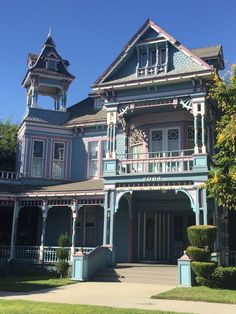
column 68, row 189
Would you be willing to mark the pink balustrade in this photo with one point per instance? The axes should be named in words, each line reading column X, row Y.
column 156, row 163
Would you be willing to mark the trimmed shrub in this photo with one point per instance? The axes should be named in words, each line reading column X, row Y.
column 203, row 269
column 198, row 254
column 62, row 253
column 202, row 281
column 62, row 265
column 63, row 240
column 202, row 236
column 224, row 277
column 62, row 268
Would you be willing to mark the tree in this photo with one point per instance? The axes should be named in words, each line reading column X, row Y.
column 222, row 181
column 8, row 135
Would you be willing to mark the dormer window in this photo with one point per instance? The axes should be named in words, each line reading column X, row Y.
column 51, row 64
column 98, row 103
column 152, row 59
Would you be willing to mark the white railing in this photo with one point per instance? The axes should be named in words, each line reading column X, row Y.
column 32, row 253
column 9, row 175
column 151, row 70
column 4, row 253
column 160, row 162
column 232, row 258
column 27, row 253
column 50, row 254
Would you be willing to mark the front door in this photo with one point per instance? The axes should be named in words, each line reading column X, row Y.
column 153, row 236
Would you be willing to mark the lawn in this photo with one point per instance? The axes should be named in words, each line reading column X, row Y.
column 199, row 294
column 30, row 307
column 31, row 283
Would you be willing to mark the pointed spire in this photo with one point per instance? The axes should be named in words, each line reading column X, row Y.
column 49, row 41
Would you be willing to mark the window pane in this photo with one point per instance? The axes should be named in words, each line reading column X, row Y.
column 153, row 57
column 37, row 167
column 93, row 150
column 38, row 149
column 162, row 56
column 143, row 58
column 59, row 151
column 173, row 139
column 104, row 149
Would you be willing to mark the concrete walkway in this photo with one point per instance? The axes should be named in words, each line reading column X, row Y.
column 126, row 295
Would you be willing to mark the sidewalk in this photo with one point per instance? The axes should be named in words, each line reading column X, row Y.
column 124, row 295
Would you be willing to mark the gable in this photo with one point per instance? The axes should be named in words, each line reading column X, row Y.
column 168, row 58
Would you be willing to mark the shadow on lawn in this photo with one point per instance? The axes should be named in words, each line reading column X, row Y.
column 10, row 286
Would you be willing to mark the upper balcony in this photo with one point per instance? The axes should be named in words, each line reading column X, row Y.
column 156, row 163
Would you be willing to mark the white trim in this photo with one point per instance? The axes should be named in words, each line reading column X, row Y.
column 54, row 142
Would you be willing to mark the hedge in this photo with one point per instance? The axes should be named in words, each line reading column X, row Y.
column 198, row 254
column 203, row 269
column 202, row 236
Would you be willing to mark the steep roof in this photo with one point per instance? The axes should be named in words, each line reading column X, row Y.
column 200, row 65
column 39, row 62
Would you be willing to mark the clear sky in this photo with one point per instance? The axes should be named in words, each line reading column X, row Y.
column 90, row 34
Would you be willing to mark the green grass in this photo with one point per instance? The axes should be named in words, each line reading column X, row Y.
column 31, row 283
column 203, row 294
column 30, row 307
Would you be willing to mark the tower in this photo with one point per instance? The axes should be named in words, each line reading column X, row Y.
column 47, row 75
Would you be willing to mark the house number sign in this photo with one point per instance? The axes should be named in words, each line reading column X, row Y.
column 152, row 179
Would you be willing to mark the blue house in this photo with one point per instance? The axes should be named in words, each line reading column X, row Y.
column 124, row 167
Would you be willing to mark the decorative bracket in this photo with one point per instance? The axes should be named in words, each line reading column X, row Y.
column 186, row 104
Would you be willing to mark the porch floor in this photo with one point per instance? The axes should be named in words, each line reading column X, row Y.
column 139, row 273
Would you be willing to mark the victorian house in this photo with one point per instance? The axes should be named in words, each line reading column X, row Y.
column 126, row 166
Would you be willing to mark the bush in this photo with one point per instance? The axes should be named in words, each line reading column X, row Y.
column 62, row 265
column 224, row 277
column 63, row 240
column 62, row 253
column 198, row 254
column 62, row 268
column 202, row 236
column 203, row 269
column 202, row 281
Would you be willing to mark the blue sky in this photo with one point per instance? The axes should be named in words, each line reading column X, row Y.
column 91, row 33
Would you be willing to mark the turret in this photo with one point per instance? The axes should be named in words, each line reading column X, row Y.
column 47, row 75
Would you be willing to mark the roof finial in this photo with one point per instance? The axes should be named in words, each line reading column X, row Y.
column 49, row 31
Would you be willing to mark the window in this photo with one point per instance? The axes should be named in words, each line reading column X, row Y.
column 58, row 160
column 153, row 57
column 98, row 103
column 51, row 64
column 96, row 156
column 93, row 159
column 162, row 56
column 163, row 140
column 90, row 217
column 37, row 162
column 143, row 58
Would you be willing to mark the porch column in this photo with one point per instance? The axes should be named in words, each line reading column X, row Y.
column 112, row 213
column 204, row 206
column 44, row 216
column 105, row 218
column 203, row 134
column 195, row 135
column 73, row 234
column 197, row 220
column 14, row 230
column 111, row 132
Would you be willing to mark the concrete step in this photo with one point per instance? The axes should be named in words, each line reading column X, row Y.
column 164, row 275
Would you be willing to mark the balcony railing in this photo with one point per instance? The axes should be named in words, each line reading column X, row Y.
column 156, row 162
column 9, row 175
